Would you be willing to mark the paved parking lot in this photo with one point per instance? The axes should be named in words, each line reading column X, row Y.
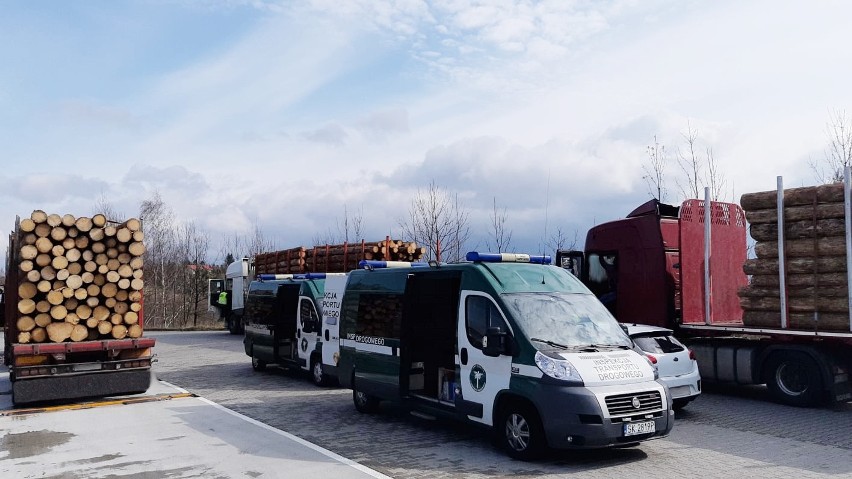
column 727, row 432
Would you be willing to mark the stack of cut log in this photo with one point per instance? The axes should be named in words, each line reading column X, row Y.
column 815, row 251
column 382, row 317
column 80, row 278
column 338, row 258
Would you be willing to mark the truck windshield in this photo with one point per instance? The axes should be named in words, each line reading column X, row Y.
column 570, row 319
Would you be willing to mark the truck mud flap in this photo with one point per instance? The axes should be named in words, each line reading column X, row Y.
column 27, row 391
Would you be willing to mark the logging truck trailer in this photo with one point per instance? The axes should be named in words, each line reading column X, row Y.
column 654, row 267
column 291, row 321
column 44, row 366
column 238, row 275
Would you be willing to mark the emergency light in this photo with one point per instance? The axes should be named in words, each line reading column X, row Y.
column 272, row 277
column 507, row 258
column 375, row 264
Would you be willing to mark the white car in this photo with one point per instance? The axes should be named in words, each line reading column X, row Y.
column 675, row 362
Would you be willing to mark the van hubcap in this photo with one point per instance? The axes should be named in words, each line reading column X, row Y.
column 517, row 432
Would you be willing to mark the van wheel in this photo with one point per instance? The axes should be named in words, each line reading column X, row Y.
column 318, row 374
column 364, row 403
column 794, row 378
column 257, row 364
column 520, row 432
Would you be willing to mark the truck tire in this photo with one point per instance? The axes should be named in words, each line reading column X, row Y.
column 233, row 327
column 258, row 364
column 318, row 375
column 364, row 403
column 794, row 378
column 519, row 432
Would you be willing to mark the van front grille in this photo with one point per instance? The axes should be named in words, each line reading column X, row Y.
column 620, row 405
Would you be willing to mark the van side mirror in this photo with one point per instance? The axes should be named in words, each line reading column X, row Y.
column 495, row 342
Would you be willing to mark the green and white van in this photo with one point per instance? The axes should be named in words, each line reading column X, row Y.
column 283, row 324
column 500, row 341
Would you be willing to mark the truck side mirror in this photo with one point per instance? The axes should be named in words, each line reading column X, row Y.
column 494, row 343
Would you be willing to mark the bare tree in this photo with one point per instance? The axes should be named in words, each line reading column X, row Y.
column 715, row 178
column 838, row 154
column 437, row 220
column 194, row 249
column 690, row 164
column 105, row 207
column 158, row 221
column 502, row 237
column 350, row 228
column 655, row 170
column 257, row 242
column 559, row 241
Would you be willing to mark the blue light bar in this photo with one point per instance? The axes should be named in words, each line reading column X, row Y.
column 373, row 264
column 507, row 258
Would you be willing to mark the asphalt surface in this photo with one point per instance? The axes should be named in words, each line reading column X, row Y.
column 727, row 432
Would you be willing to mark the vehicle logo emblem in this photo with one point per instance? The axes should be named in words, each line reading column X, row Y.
column 477, row 377
column 636, row 403
column 304, row 344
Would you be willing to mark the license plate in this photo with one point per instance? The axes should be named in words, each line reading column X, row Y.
column 644, row 427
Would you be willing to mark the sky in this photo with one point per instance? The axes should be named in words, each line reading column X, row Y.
column 284, row 115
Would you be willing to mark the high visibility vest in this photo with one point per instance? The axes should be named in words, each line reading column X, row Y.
column 223, row 297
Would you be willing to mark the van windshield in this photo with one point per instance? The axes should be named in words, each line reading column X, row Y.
column 566, row 319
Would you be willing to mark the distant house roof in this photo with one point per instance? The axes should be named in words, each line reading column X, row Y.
column 196, row 267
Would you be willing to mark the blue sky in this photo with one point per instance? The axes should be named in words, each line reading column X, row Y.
column 281, row 114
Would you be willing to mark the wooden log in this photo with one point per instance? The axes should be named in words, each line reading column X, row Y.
column 116, row 319
column 26, row 323
column 799, row 230
column 93, row 301
column 58, row 312
column 110, row 302
column 54, row 220
column 59, row 262
column 92, row 323
column 104, row 327
column 47, row 273
column 57, row 250
column 43, row 260
column 27, row 225
column 43, row 245
column 93, row 290
column 63, row 274
column 58, row 233
column 81, row 243
column 72, row 318
column 109, row 231
column 71, row 304
column 44, row 286
column 119, row 331
column 29, row 251
column 765, row 200
column 75, row 268
column 112, row 253
column 42, row 230
column 124, row 258
column 73, row 255
column 55, row 297
column 69, row 293
column 121, row 295
column 828, row 264
column 34, row 276
column 138, row 274
column 124, row 235
column 112, row 276
column 826, row 246
column 43, row 306
column 83, row 224
column 26, row 265
column 73, row 232
column 136, row 248
column 99, row 280
column 796, row 213
column 24, row 337
column 29, row 238
column 38, row 216
column 42, row 320
column 39, row 334
column 137, row 284
column 134, row 331
column 101, row 259
column 136, row 263
column 27, row 290
column 138, row 236
column 68, row 243
column 97, row 234
column 81, row 294
column 98, row 247
column 108, row 290
column 26, row 306
column 59, row 332
column 797, row 321
column 83, row 311
column 74, row 281
column 99, row 220
column 123, row 284
column 136, row 307
column 68, row 220
column 101, row 313
column 90, row 266
column 132, row 224
column 135, row 296
column 87, row 277
column 822, row 291
column 796, row 305
column 103, row 269
column 131, row 317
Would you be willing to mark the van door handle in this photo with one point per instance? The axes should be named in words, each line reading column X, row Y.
column 463, row 356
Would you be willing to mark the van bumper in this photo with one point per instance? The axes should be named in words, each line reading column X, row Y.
column 578, row 417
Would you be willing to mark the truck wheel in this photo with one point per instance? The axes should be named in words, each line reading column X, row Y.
column 520, row 432
column 364, row 403
column 257, row 364
column 794, row 378
column 318, row 374
column 232, row 325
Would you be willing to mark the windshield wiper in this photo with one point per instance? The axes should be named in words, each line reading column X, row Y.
column 550, row 343
column 602, row 346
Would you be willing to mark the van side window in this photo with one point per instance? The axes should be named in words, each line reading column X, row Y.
column 380, row 315
column 308, row 315
column 480, row 314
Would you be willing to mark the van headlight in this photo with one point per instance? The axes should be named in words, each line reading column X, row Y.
column 561, row 369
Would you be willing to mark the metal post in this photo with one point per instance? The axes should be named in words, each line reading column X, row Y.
column 707, row 224
column 781, row 259
column 847, row 193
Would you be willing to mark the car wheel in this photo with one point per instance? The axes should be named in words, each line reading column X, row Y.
column 257, row 364
column 520, row 432
column 364, row 403
column 318, row 374
column 794, row 378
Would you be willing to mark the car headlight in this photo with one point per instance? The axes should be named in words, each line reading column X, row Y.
column 561, row 369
